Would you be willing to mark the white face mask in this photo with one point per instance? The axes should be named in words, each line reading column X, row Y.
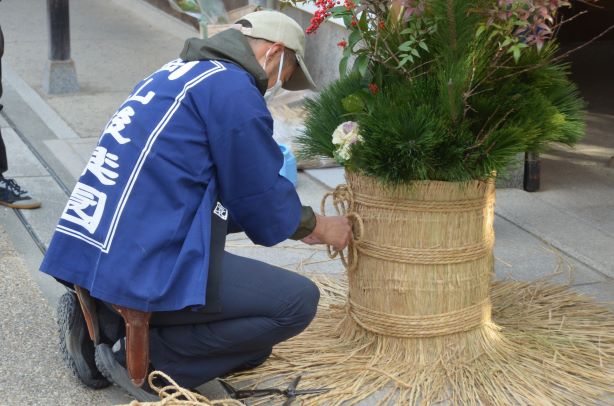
column 274, row 90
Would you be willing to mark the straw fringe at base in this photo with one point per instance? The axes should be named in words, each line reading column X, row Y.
column 549, row 346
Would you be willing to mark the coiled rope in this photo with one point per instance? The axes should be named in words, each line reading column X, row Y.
column 174, row 395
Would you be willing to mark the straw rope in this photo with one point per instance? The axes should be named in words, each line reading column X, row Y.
column 342, row 201
column 175, row 395
column 416, row 205
column 430, row 256
column 432, row 325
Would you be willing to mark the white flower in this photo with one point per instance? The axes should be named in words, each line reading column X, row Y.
column 338, row 135
column 346, row 135
column 344, row 152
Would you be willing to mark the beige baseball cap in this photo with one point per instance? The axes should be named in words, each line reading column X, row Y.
column 274, row 26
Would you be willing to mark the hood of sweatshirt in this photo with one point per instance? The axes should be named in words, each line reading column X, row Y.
column 228, row 46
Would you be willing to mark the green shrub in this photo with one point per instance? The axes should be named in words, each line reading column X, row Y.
column 463, row 113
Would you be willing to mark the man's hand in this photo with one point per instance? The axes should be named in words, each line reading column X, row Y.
column 334, row 230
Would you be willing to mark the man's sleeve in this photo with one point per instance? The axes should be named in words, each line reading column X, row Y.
column 305, row 227
column 263, row 203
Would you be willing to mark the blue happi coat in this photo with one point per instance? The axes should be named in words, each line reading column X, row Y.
column 137, row 227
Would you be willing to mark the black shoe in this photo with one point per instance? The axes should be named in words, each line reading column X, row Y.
column 11, row 195
column 75, row 343
column 213, row 390
column 116, row 373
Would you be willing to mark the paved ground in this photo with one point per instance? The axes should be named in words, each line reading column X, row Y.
column 32, row 372
column 567, row 229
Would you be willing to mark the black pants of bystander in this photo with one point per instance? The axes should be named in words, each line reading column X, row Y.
column 3, row 161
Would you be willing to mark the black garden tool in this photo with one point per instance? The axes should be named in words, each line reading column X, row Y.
column 290, row 392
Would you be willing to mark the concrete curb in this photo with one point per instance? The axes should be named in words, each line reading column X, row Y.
column 49, row 116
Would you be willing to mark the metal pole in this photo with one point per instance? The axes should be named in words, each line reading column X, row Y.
column 60, row 74
column 532, row 170
column 59, row 30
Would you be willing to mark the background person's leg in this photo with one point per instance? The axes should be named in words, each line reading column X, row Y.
column 11, row 195
column 262, row 305
column 3, row 161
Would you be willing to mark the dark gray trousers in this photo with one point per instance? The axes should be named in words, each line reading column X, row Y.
column 262, row 305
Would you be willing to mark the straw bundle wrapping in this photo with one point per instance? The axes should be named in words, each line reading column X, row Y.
column 413, row 332
column 422, row 264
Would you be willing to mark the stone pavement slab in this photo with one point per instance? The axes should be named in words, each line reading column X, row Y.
column 602, row 292
column 330, row 177
column 524, row 257
column 580, row 182
column 561, row 228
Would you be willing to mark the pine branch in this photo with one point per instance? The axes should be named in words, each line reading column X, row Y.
column 452, row 25
column 451, row 101
column 558, row 58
